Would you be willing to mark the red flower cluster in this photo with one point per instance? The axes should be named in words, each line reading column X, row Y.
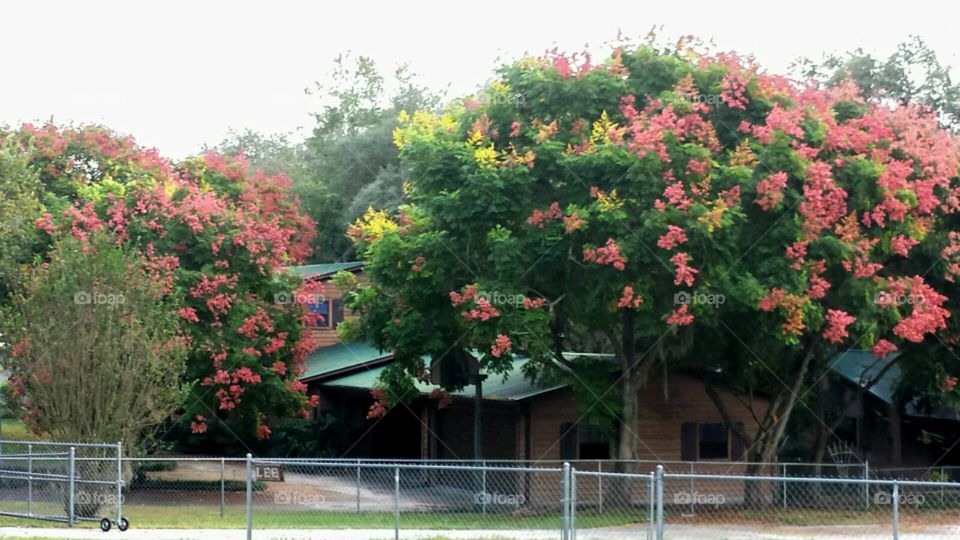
column 501, row 346
column 837, row 323
column 670, row 239
column 608, row 254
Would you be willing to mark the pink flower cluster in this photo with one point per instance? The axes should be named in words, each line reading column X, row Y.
column 539, row 217
column 882, row 348
column 629, row 298
column 680, row 317
column 608, row 254
column 770, row 190
column 927, row 315
column 501, row 346
column 683, row 273
column 670, row 239
column 837, row 323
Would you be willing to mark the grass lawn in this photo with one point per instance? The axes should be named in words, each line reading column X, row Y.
column 15, row 430
column 208, row 517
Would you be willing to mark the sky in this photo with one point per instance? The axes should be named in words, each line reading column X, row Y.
column 178, row 75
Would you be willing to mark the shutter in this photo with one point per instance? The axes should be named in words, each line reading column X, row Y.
column 568, row 441
column 736, row 444
column 688, row 441
column 337, row 315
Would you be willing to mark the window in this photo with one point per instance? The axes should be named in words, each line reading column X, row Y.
column 593, row 443
column 713, row 442
column 331, row 313
column 568, row 441
column 323, row 310
column 707, row 441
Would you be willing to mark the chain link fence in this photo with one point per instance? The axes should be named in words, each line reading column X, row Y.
column 395, row 496
column 64, row 482
column 495, row 499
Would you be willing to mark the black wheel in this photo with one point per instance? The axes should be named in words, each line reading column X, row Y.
column 123, row 524
column 105, row 524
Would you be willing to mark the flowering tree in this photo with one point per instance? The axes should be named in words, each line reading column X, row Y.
column 619, row 198
column 96, row 354
column 213, row 236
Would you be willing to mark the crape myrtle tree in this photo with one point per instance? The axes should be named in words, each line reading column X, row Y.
column 610, row 188
column 213, row 236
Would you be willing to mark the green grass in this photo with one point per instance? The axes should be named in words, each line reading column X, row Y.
column 208, row 517
column 15, row 430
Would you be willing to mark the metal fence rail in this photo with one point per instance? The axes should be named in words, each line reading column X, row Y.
column 62, row 482
column 502, row 499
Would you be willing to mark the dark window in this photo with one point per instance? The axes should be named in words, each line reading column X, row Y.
column 688, row 441
column 713, row 442
column 337, row 312
column 593, row 443
column 322, row 309
column 568, row 441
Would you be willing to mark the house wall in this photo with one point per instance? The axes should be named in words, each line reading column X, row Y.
column 661, row 417
column 454, row 430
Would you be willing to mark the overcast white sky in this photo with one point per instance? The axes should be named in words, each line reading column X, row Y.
column 179, row 74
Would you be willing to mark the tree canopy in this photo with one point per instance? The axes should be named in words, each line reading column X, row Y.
column 620, row 201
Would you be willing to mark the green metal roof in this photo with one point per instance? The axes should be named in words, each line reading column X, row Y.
column 861, row 367
column 325, row 269
column 514, row 387
column 343, row 357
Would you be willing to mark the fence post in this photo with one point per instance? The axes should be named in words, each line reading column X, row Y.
column 483, row 486
column 573, row 503
column 650, row 497
column 692, row 492
column 600, row 486
column 249, row 496
column 396, row 503
column 784, row 485
column 896, row 511
column 660, row 502
column 565, row 502
column 358, row 486
column 943, row 478
column 866, row 485
column 223, row 486
column 73, row 470
column 119, row 480
column 30, row 479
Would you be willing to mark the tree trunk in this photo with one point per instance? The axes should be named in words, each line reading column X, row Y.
column 771, row 429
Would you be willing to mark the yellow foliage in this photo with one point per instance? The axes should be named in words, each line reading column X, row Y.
column 713, row 219
column 422, row 124
column 743, row 155
column 608, row 201
column 374, row 224
column 486, row 156
column 602, row 128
